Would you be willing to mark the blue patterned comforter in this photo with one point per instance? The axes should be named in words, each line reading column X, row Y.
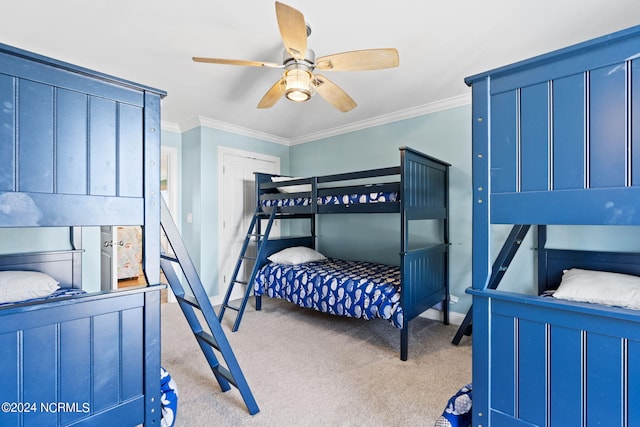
column 345, row 288
column 62, row 292
column 346, row 199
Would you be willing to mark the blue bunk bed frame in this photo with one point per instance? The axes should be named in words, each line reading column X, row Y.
column 555, row 142
column 79, row 148
column 423, row 184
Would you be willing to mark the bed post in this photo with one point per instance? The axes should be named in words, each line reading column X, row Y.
column 151, row 228
column 481, row 245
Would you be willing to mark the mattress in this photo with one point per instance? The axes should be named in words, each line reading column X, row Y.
column 62, row 292
column 346, row 288
column 343, row 199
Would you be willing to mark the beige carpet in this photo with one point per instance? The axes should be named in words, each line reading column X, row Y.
column 311, row 369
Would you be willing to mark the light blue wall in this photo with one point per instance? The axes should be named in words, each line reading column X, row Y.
column 200, row 192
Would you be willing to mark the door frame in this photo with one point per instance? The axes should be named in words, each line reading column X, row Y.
column 173, row 191
column 222, row 150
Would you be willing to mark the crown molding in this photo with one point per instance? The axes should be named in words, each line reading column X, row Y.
column 228, row 127
column 171, row 127
column 409, row 113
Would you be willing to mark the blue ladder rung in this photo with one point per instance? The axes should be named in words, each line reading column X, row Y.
column 170, row 258
column 208, row 338
column 189, row 300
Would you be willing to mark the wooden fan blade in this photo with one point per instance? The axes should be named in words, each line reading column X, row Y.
column 333, row 94
column 293, row 30
column 237, row 62
column 272, row 96
column 358, row 60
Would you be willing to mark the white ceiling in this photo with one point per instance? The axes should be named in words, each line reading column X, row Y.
column 152, row 41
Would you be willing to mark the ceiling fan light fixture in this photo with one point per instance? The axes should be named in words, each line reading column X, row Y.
column 298, row 85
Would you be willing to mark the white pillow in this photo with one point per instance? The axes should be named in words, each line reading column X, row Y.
column 291, row 188
column 22, row 285
column 622, row 290
column 296, row 255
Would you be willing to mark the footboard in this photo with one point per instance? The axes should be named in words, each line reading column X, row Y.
column 91, row 359
column 555, row 363
column 424, row 280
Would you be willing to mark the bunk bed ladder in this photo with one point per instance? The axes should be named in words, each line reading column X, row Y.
column 215, row 339
column 252, row 234
column 499, row 268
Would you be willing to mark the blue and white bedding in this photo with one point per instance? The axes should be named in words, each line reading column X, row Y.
column 344, row 199
column 346, row 288
column 61, row 292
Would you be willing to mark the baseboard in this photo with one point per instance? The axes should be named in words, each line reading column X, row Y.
column 455, row 318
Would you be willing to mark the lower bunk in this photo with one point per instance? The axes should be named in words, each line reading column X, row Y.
column 552, row 361
column 81, row 359
column 358, row 289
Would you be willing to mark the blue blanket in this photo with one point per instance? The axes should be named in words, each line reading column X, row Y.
column 345, row 288
column 62, row 292
column 346, row 199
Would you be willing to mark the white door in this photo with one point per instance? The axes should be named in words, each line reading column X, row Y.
column 237, row 206
column 108, row 258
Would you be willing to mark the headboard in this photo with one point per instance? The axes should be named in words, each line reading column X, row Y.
column 555, row 138
column 552, row 262
column 64, row 266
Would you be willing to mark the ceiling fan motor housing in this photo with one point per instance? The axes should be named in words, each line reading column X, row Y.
column 298, row 77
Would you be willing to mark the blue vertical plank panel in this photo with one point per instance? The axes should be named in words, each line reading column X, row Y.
column 633, row 383
column 604, row 380
column 102, row 147
column 635, row 122
column 534, row 137
column 7, row 133
column 9, row 351
column 71, row 142
column 132, row 348
column 607, row 124
column 75, row 368
column 565, row 389
column 106, row 361
column 504, row 142
column 35, row 123
column 152, row 357
column 40, row 373
column 532, row 373
column 130, row 151
column 569, row 133
column 481, row 161
column 503, row 369
column 151, row 230
column 481, row 261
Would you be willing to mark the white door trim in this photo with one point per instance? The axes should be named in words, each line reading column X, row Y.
column 222, row 150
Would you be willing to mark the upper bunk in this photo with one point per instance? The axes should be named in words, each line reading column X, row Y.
column 418, row 187
column 77, row 147
column 554, row 138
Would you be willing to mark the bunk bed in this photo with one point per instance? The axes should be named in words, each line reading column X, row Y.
column 417, row 190
column 77, row 149
column 554, row 143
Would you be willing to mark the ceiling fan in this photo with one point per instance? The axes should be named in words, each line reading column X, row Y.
column 299, row 82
